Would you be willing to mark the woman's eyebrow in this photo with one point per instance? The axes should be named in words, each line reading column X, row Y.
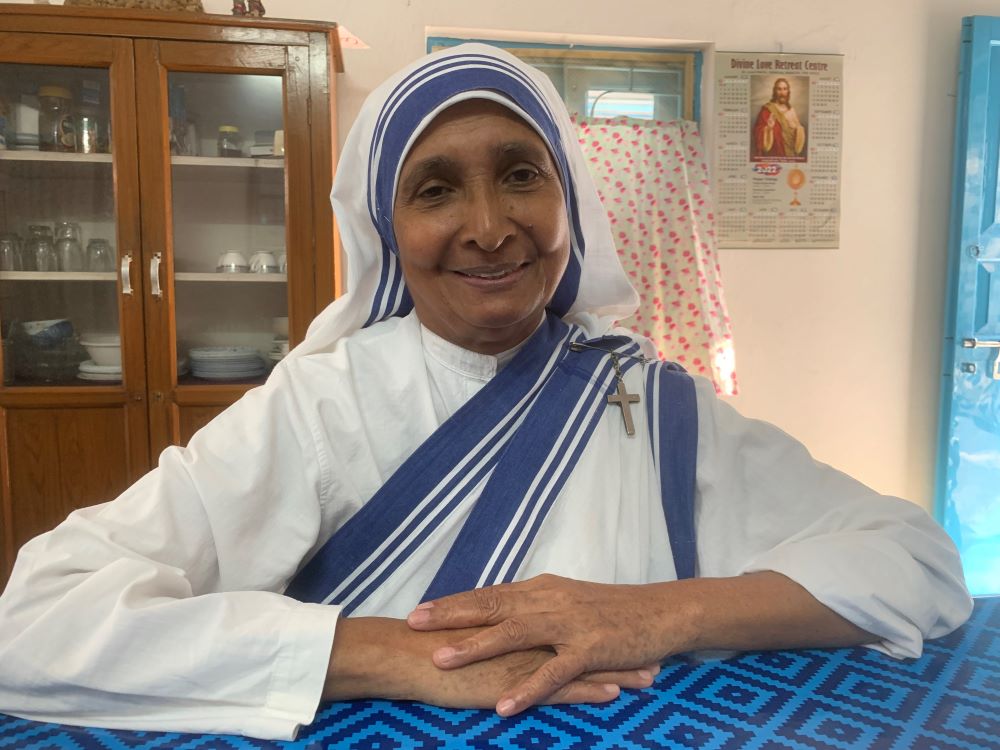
column 432, row 166
column 522, row 150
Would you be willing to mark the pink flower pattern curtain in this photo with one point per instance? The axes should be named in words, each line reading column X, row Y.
column 653, row 180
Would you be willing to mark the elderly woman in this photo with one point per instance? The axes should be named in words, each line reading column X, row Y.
column 464, row 487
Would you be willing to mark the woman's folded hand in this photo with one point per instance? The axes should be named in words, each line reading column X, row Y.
column 586, row 628
column 384, row 658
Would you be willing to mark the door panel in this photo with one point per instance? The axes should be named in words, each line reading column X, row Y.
column 74, row 429
column 64, row 459
column 229, row 215
column 968, row 483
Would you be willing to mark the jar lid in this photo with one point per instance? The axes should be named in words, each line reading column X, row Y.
column 228, row 129
column 54, row 91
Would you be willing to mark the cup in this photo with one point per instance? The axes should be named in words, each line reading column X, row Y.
column 279, row 142
column 283, row 263
column 232, row 263
column 263, row 262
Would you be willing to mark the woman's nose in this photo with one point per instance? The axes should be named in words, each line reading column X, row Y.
column 488, row 224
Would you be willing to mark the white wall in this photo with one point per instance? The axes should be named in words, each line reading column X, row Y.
column 840, row 347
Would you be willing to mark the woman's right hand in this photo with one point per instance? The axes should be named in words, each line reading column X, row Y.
column 376, row 657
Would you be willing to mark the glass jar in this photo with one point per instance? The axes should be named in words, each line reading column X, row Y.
column 230, row 143
column 40, row 253
column 90, row 138
column 10, row 253
column 88, row 127
column 56, row 130
column 68, row 249
column 99, row 255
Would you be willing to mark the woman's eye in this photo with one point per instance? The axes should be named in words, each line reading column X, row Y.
column 431, row 192
column 523, row 175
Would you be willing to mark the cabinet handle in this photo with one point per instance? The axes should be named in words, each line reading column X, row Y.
column 154, row 275
column 127, row 275
column 980, row 344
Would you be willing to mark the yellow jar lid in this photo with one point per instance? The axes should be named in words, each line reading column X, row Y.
column 54, row 91
column 228, row 129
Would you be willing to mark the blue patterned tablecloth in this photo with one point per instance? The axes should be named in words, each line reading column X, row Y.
column 838, row 699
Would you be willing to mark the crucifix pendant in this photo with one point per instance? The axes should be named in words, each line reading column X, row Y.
column 623, row 398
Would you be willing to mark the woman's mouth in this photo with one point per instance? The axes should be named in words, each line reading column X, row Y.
column 491, row 273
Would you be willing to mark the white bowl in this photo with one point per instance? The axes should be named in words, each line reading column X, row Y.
column 105, row 349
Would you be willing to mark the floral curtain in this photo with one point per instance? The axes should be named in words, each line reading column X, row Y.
column 653, row 180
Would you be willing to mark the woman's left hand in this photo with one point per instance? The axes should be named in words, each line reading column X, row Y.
column 592, row 627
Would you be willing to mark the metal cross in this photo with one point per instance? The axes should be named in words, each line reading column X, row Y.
column 623, row 398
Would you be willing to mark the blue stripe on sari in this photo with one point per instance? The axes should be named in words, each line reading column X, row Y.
column 541, row 388
column 672, row 417
column 435, row 475
column 509, row 513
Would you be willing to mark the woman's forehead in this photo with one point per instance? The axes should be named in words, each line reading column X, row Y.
column 472, row 110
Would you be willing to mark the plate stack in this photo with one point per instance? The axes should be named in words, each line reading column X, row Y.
column 226, row 362
column 92, row 371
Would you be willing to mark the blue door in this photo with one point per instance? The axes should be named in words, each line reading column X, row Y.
column 968, row 478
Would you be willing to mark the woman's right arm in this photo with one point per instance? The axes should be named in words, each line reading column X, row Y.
column 162, row 609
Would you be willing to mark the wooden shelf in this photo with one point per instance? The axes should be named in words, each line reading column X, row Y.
column 218, row 161
column 238, row 278
column 56, row 156
column 58, row 276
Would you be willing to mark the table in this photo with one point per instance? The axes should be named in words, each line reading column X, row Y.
column 836, row 699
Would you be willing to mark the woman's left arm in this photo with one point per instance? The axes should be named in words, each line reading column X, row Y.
column 593, row 626
column 791, row 553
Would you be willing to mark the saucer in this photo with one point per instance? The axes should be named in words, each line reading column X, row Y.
column 100, row 378
column 90, row 367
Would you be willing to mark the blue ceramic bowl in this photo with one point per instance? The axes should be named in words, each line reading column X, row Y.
column 46, row 333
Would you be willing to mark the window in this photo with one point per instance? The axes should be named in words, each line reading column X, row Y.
column 612, row 82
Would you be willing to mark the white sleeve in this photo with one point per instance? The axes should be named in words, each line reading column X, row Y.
column 161, row 610
column 763, row 503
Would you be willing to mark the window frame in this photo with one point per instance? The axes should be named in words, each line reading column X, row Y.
column 636, row 58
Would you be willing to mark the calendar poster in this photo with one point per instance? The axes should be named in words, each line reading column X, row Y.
column 778, row 142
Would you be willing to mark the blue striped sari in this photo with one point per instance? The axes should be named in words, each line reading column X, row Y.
column 522, row 435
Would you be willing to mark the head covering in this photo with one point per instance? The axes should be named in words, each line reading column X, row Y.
column 594, row 291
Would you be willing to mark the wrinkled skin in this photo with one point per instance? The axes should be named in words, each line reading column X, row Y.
column 593, row 627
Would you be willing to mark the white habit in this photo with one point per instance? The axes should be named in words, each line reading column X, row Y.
column 163, row 609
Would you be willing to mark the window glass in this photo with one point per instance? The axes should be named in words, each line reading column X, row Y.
column 612, row 82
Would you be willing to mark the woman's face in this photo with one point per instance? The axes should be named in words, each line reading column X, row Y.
column 481, row 226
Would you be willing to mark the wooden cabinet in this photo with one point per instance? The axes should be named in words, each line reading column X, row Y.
column 139, row 151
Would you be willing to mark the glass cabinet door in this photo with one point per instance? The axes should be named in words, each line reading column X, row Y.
column 59, row 304
column 226, row 139
column 227, row 221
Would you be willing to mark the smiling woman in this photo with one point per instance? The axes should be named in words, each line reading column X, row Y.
column 442, row 494
column 481, row 226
